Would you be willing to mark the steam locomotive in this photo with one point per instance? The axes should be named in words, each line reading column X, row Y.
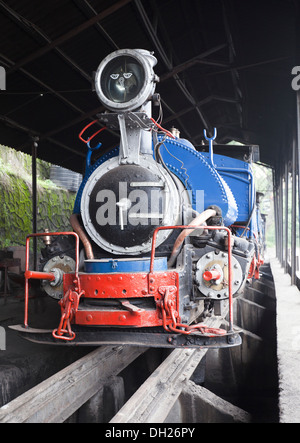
column 164, row 235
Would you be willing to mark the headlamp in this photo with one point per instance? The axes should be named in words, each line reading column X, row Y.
column 125, row 79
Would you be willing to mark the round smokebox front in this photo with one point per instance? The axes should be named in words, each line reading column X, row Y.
column 124, row 207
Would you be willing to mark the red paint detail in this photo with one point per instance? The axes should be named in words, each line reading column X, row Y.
column 94, row 135
column 118, row 318
column 162, row 286
column 168, row 309
column 40, row 275
column 110, row 285
column 211, row 275
column 254, row 267
column 69, row 306
column 29, row 273
column 123, row 287
column 229, row 248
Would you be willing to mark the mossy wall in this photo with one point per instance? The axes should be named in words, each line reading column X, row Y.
column 55, row 204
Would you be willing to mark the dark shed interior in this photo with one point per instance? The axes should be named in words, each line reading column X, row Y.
column 224, row 64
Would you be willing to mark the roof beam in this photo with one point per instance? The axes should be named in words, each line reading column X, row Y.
column 77, row 120
column 39, row 35
column 233, row 72
column 83, row 114
column 48, row 135
column 167, row 62
column 88, row 9
column 42, row 84
column 94, row 20
column 178, row 115
column 85, row 5
column 202, row 102
column 62, row 39
column 193, row 61
column 32, row 132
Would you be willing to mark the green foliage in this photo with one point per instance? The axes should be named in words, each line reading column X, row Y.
column 264, row 184
column 55, row 205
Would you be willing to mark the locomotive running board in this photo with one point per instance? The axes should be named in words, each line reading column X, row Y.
column 136, row 337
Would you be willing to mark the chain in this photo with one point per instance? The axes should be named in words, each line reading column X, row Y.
column 168, row 307
column 69, row 306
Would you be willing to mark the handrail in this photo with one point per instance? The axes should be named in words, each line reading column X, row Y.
column 209, row 228
column 45, row 275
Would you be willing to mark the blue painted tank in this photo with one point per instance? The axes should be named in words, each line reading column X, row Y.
column 126, row 265
column 200, row 177
column 227, row 183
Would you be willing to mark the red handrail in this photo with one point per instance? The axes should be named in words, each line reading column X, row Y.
column 92, row 136
column 45, row 275
column 209, row 228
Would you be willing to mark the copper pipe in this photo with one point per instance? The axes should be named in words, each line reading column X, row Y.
column 82, row 235
column 198, row 221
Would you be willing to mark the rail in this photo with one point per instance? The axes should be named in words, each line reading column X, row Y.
column 153, row 401
column 57, row 398
column 75, row 388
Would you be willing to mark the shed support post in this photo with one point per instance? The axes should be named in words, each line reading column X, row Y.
column 34, row 198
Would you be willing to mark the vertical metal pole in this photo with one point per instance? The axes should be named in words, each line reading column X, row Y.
column 297, row 125
column 34, row 198
column 286, row 215
column 280, row 215
column 298, row 156
column 275, row 208
column 294, row 214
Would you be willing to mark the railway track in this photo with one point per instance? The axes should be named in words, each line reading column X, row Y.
column 179, row 388
column 60, row 396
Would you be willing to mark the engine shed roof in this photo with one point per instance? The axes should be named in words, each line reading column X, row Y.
column 224, row 64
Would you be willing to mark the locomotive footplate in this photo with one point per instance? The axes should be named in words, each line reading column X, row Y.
column 152, row 337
